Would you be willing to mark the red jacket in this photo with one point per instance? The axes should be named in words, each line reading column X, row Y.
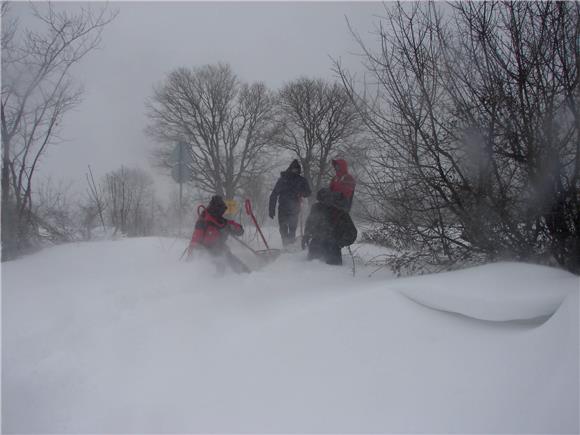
column 343, row 182
column 212, row 231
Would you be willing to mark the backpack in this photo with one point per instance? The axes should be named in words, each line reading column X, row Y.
column 345, row 231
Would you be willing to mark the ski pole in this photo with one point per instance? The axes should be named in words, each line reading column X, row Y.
column 300, row 218
column 251, row 214
column 353, row 263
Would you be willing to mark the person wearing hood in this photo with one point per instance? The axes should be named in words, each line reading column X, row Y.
column 343, row 183
column 328, row 229
column 211, row 232
column 288, row 191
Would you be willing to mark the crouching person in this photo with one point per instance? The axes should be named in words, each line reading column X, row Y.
column 211, row 232
column 329, row 228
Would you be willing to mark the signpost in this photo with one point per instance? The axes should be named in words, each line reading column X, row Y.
column 181, row 170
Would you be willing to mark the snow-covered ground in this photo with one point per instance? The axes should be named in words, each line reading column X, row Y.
column 120, row 337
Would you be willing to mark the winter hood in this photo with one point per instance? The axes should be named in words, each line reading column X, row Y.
column 217, row 206
column 341, row 166
column 294, row 168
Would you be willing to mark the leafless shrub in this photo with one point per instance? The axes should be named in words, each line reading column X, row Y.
column 37, row 91
column 130, row 201
column 54, row 213
column 476, row 125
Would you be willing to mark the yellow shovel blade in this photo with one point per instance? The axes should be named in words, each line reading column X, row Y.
column 232, row 207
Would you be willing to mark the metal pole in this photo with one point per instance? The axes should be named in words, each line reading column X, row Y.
column 180, row 174
column 180, row 206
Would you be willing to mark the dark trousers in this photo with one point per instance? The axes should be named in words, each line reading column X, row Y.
column 236, row 264
column 288, row 223
column 326, row 250
column 224, row 258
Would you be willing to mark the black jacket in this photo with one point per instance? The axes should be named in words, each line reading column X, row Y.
column 287, row 192
column 329, row 223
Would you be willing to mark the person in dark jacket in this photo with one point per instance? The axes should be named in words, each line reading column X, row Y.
column 288, row 192
column 211, row 232
column 328, row 228
column 343, row 183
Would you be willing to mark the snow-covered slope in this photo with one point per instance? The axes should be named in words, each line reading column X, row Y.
column 120, row 337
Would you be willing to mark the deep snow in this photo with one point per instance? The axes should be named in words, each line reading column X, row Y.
column 120, row 337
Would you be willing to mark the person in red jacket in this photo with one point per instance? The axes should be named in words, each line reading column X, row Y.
column 211, row 232
column 343, row 183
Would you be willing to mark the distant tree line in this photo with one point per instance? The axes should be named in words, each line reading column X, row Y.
column 122, row 203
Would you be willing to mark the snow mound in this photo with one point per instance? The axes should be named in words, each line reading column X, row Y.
column 495, row 292
column 121, row 337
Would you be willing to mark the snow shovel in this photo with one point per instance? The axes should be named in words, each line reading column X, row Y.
column 268, row 254
column 262, row 256
column 246, row 246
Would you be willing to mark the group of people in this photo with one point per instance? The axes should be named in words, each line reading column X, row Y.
column 328, row 228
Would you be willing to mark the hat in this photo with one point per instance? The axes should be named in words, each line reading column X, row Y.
column 295, row 167
column 217, row 206
column 340, row 166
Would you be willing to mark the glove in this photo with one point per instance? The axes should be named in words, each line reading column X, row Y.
column 234, row 228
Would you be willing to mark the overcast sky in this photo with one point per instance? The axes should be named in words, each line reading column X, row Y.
column 269, row 41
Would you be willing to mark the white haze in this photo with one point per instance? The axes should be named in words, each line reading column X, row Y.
column 272, row 42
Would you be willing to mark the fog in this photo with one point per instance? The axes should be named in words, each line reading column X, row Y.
column 272, row 42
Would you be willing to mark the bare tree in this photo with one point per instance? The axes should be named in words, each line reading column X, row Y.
column 527, row 59
column 88, row 215
column 317, row 120
column 54, row 214
column 37, row 91
column 95, row 197
column 476, row 125
column 227, row 123
column 9, row 26
column 130, row 201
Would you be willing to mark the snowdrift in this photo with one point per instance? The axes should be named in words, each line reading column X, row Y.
column 494, row 292
column 120, row 337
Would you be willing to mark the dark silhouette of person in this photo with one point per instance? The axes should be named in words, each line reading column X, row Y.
column 290, row 188
column 329, row 228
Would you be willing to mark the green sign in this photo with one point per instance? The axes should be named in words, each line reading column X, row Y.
column 181, row 162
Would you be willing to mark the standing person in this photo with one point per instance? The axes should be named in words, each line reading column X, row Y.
column 343, row 183
column 329, row 228
column 211, row 232
column 289, row 189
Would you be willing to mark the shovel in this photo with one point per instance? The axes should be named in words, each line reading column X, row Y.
column 268, row 254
